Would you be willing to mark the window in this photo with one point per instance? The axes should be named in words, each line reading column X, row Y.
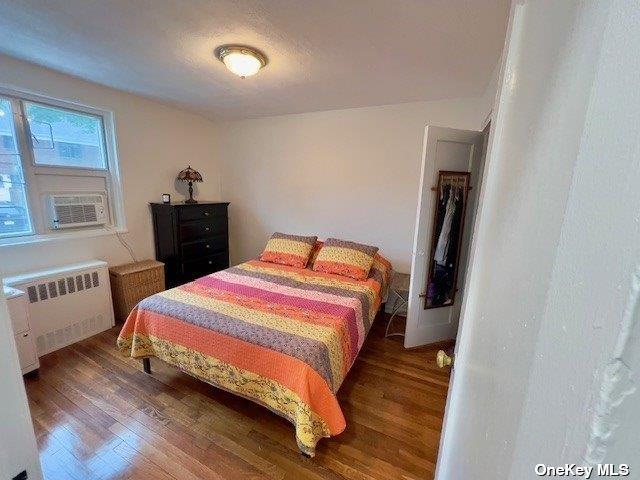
column 64, row 138
column 49, row 148
column 14, row 211
column 70, row 150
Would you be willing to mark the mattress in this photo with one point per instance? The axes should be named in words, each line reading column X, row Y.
column 281, row 336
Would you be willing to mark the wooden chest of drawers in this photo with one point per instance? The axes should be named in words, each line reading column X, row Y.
column 192, row 240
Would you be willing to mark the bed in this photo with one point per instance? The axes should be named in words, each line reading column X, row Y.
column 281, row 336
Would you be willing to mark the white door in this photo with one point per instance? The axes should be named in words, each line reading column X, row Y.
column 18, row 449
column 548, row 350
column 453, row 150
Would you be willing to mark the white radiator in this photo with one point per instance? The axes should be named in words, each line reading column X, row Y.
column 66, row 304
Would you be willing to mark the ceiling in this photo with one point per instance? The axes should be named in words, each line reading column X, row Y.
column 323, row 54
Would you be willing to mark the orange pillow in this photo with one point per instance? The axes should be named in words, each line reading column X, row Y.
column 293, row 250
column 345, row 258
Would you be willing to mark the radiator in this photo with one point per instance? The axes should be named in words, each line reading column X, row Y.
column 66, row 304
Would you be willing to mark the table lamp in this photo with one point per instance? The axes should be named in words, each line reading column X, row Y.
column 190, row 175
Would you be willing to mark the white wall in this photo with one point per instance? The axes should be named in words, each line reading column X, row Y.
column 591, row 322
column 349, row 173
column 155, row 141
column 538, row 376
column 352, row 174
column 18, row 449
column 486, row 102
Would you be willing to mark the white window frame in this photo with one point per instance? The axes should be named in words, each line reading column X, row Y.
column 31, row 169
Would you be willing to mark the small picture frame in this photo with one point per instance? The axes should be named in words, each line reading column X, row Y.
column 166, row 198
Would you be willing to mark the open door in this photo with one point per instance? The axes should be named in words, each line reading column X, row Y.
column 452, row 151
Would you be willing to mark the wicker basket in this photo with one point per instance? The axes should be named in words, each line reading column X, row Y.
column 133, row 282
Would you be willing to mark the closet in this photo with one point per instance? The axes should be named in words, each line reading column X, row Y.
column 449, row 216
column 452, row 167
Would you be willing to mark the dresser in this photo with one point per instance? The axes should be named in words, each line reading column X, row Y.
column 192, row 240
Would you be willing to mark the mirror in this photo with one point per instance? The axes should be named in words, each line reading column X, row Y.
column 448, row 223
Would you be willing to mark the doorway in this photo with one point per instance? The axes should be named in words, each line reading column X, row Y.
column 451, row 175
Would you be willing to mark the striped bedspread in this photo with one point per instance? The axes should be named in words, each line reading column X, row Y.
column 281, row 336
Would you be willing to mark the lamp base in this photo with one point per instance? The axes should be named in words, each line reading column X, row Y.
column 190, row 199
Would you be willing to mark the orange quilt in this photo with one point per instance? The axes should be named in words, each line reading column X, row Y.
column 281, row 336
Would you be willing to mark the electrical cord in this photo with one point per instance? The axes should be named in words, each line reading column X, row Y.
column 123, row 242
column 127, row 246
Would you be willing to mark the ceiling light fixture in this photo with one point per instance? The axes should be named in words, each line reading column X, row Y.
column 241, row 60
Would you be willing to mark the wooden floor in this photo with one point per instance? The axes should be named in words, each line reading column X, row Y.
column 98, row 416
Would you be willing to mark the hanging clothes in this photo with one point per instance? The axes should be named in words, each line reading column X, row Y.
column 441, row 209
column 456, row 229
column 444, row 240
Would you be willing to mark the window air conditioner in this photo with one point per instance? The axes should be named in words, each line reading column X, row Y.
column 77, row 210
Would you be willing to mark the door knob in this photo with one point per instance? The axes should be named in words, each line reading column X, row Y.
column 443, row 360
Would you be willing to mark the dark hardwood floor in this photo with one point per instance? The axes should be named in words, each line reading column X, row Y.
column 98, row 416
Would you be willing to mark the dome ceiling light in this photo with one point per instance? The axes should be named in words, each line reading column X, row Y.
column 241, row 60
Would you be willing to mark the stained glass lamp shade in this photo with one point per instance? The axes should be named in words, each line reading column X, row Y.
column 190, row 175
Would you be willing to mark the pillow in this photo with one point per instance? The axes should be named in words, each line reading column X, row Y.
column 349, row 259
column 292, row 250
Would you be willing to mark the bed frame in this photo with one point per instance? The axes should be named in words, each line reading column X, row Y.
column 146, row 364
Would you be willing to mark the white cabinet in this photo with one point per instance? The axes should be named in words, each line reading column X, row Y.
column 19, row 313
column 26, row 352
column 17, row 310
